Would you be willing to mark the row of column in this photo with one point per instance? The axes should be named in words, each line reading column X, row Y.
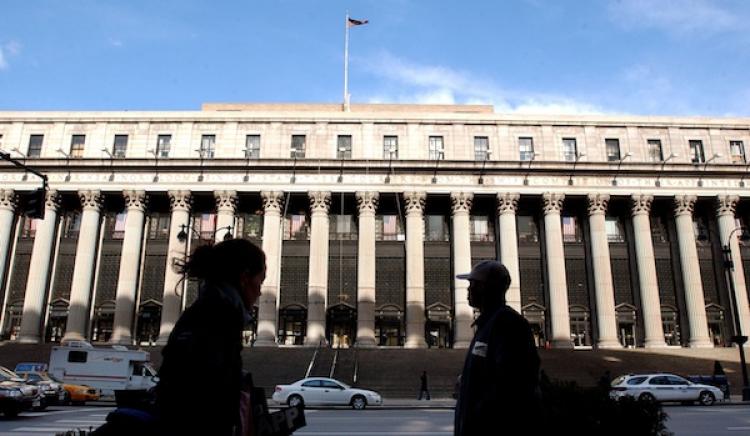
column 273, row 201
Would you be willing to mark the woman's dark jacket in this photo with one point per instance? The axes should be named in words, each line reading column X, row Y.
column 201, row 372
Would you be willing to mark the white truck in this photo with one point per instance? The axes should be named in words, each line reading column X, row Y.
column 108, row 369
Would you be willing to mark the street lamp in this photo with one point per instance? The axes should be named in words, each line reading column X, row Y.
column 25, row 173
column 531, row 155
column 437, row 162
column 67, row 162
column 484, row 163
column 579, row 155
column 156, row 163
column 663, row 163
column 705, row 165
column 182, row 235
column 739, row 338
column 111, row 164
column 294, row 165
column 391, row 151
column 200, row 153
column 742, row 179
column 619, row 163
column 342, row 153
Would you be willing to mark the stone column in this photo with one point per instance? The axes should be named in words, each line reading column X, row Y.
column 180, row 202
column 725, row 209
column 507, row 204
column 461, row 237
column 81, row 286
column 558, row 288
column 8, row 203
column 691, row 275
column 317, row 290
column 273, row 204
column 226, row 206
column 367, row 204
column 130, row 262
column 415, row 298
column 39, row 269
column 603, row 286
column 644, row 257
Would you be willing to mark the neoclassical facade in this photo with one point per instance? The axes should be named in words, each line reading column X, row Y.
column 616, row 230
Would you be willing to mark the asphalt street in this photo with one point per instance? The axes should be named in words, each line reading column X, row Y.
column 704, row 421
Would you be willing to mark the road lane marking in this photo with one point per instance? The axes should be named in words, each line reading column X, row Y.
column 40, row 429
column 58, row 412
column 738, row 428
column 376, row 433
column 83, row 421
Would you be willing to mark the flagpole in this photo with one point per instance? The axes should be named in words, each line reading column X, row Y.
column 346, row 63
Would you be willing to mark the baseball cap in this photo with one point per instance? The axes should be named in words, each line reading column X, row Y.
column 486, row 271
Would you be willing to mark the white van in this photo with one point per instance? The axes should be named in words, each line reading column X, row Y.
column 105, row 368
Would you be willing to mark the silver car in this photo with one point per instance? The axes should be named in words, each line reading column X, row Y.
column 664, row 387
column 321, row 391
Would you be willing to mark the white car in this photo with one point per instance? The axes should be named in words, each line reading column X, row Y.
column 321, row 391
column 663, row 388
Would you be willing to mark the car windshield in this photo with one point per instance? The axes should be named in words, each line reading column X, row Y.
column 618, row 380
column 8, row 374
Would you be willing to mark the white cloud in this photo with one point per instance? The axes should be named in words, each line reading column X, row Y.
column 677, row 16
column 8, row 49
column 3, row 62
column 429, row 84
column 115, row 42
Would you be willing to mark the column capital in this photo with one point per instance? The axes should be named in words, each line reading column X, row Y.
column 367, row 201
column 226, row 201
column 507, row 203
column 415, row 201
column 320, row 201
column 598, row 203
column 684, row 204
column 8, row 199
column 180, row 200
column 135, row 200
column 552, row 202
column 91, row 200
column 272, row 201
column 53, row 200
column 461, row 202
column 726, row 204
column 641, row 204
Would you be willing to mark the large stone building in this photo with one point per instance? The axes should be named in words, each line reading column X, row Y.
column 612, row 227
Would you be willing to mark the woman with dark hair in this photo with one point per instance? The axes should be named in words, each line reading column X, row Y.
column 201, row 372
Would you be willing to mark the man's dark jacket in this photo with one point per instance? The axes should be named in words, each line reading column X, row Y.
column 498, row 393
column 201, row 372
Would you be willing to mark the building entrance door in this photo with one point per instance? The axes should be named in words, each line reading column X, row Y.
column 341, row 326
column 292, row 325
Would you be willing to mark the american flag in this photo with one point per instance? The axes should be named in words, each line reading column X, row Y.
column 352, row 22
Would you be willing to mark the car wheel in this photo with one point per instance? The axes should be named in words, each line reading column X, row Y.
column 295, row 401
column 646, row 397
column 66, row 399
column 11, row 412
column 706, row 398
column 78, row 403
column 358, row 402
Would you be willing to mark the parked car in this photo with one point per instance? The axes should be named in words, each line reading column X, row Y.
column 320, row 391
column 16, row 398
column 11, row 380
column 664, row 387
column 72, row 393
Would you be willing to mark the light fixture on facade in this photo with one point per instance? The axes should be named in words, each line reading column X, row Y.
column 25, row 173
column 705, row 165
column 619, row 163
column 156, row 164
column 528, row 170
column 111, row 164
column 67, row 162
column 200, row 153
column 391, row 150
column 663, row 163
column 579, row 155
column 484, row 163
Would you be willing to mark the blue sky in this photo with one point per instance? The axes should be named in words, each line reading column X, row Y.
column 661, row 57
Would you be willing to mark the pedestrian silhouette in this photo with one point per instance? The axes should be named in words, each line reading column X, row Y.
column 424, row 392
column 498, row 392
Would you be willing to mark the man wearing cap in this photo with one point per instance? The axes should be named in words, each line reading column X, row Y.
column 499, row 382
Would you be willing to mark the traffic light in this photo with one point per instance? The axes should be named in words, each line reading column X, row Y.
column 35, row 204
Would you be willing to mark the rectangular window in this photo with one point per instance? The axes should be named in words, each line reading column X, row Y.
column 252, row 147
column 390, row 147
column 344, row 147
column 571, row 232
column 252, row 225
column 205, row 226
column 71, row 225
column 437, row 149
column 388, row 228
column 737, row 150
column 481, row 148
column 77, row 356
column 163, row 144
column 118, row 226
column 121, row 146
column 614, row 230
column 29, row 228
column 654, row 150
column 482, row 229
column 296, row 228
column 526, row 148
column 208, row 146
column 298, row 146
column 570, row 149
column 527, row 230
column 159, row 226
column 77, row 143
column 696, row 152
column 1, row 142
column 613, row 149
column 35, row 146
column 436, row 228
column 342, row 227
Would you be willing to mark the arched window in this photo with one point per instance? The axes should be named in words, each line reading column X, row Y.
column 103, row 322
column 389, row 326
column 534, row 314
column 58, row 319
